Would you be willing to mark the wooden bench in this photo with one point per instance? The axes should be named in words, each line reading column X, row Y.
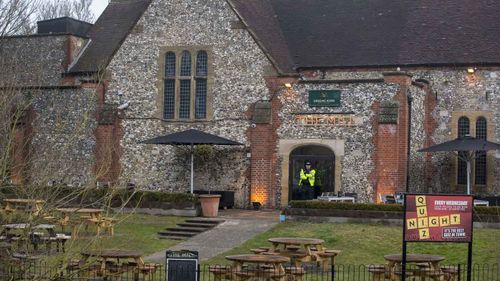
column 327, row 257
column 220, row 272
column 103, row 223
column 398, row 273
column 450, row 272
column 379, row 271
column 258, row 251
column 271, row 274
column 149, row 270
column 296, row 272
column 434, row 274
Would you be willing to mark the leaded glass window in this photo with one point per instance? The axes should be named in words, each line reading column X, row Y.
column 201, row 99
column 463, row 127
column 186, row 84
column 185, row 99
column 186, row 64
column 169, row 99
column 170, row 64
column 169, row 87
column 200, row 105
column 480, row 165
column 201, row 64
column 463, row 130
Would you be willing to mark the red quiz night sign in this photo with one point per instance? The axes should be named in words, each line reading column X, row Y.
column 438, row 218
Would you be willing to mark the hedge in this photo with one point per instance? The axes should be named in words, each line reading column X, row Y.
column 116, row 197
column 317, row 204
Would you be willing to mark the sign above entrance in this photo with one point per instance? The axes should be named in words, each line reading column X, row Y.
column 341, row 120
column 324, row 98
column 438, row 218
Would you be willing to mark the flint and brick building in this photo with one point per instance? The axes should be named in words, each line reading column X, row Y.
column 356, row 87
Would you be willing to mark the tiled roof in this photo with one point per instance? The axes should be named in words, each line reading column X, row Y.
column 337, row 33
column 108, row 33
column 358, row 33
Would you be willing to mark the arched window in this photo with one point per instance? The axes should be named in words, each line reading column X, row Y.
column 463, row 130
column 186, row 84
column 169, row 86
column 185, row 87
column 201, row 85
column 201, row 64
column 186, row 64
column 480, row 165
column 463, row 126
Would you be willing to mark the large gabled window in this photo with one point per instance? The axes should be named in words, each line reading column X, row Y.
column 185, row 87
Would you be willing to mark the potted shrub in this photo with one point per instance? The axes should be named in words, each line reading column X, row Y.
column 209, row 204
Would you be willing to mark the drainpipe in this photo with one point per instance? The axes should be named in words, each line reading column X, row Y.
column 409, row 99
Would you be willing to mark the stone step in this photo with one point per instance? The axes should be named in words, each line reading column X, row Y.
column 178, row 233
column 172, row 237
column 186, row 229
column 206, row 221
column 196, row 225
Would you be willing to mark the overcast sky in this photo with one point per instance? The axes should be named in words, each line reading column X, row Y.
column 98, row 6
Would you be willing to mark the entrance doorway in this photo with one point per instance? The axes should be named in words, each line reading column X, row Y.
column 322, row 159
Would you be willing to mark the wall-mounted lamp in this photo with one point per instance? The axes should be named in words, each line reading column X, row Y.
column 471, row 70
column 288, row 85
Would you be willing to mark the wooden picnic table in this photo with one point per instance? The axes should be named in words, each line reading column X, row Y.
column 304, row 250
column 115, row 256
column 26, row 205
column 276, row 272
column 395, row 260
column 35, row 236
column 86, row 216
column 280, row 244
column 93, row 213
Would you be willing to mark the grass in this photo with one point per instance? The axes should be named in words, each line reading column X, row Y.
column 368, row 243
column 135, row 232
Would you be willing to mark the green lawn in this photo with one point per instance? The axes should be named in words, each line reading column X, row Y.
column 132, row 232
column 368, row 243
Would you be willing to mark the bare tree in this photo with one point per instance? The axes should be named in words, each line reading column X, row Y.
column 78, row 9
column 16, row 16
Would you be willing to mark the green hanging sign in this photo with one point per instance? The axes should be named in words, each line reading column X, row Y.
column 324, row 98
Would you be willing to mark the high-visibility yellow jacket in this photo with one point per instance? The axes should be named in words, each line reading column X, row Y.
column 310, row 176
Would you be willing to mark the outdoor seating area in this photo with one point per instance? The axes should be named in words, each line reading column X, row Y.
column 283, row 260
column 425, row 267
column 111, row 264
column 75, row 218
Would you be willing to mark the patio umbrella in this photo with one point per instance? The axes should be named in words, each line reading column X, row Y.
column 191, row 138
column 465, row 148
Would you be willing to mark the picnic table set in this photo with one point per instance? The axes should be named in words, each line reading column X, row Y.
column 423, row 266
column 112, row 264
column 35, row 237
column 72, row 217
column 282, row 261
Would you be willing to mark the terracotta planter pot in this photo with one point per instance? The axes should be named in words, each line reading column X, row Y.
column 209, row 204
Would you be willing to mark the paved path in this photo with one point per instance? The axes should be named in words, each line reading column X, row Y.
column 239, row 226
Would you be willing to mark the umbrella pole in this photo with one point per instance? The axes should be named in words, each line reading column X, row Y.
column 192, row 168
column 468, row 176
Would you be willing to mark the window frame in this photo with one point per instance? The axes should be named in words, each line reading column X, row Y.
column 178, row 51
column 473, row 116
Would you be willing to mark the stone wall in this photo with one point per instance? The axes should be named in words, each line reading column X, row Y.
column 356, row 162
column 458, row 91
column 63, row 139
column 239, row 67
column 417, row 140
column 36, row 60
